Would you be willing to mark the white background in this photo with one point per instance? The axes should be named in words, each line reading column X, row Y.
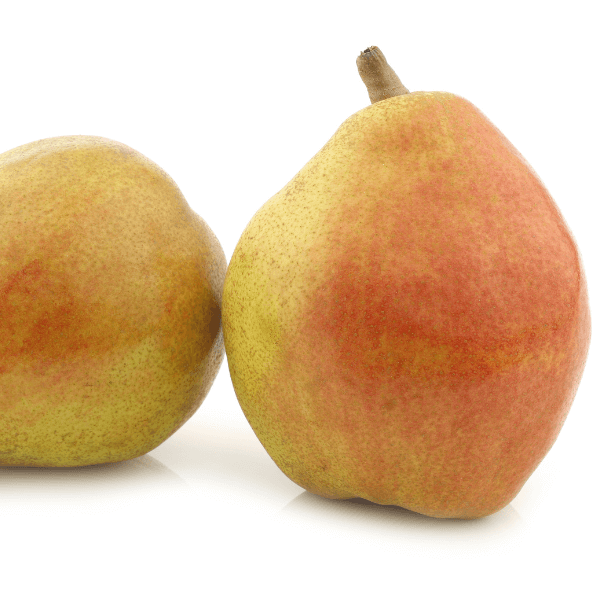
column 232, row 99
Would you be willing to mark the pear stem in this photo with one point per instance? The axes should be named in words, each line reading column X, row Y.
column 380, row 79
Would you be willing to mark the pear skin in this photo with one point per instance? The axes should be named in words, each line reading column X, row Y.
column 110, row 302
column 407, row 320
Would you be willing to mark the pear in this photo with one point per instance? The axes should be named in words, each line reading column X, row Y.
column 110, row 304
column 407, row 320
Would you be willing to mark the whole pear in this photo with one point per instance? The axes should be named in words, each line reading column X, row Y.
column 110, row 304
column 407, row 320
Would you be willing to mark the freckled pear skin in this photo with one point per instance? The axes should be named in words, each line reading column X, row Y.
column 110, row 302
column 407, row 320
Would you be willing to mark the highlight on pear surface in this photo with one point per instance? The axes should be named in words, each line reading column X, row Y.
column 110, row 304
column 407, row 320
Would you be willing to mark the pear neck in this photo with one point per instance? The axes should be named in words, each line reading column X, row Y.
column 380, row 79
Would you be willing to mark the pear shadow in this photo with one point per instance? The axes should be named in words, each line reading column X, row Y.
column 230, row 456
column 395, row 519
column 108, row 478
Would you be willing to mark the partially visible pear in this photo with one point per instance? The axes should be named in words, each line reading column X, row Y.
column 110, row 296
column 407, row 320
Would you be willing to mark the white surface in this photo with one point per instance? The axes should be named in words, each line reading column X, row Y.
column 232, row 99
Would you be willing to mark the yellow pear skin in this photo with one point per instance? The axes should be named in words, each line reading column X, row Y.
column 110, row 302
column 407, row 320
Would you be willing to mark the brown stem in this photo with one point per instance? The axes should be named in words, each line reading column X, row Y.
column 378, row 76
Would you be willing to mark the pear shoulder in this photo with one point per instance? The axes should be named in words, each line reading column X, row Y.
column 46, row 149
column 403, row 108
